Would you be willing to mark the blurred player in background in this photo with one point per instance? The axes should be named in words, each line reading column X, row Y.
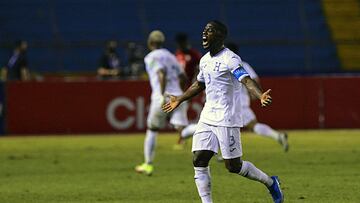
column 165, row 77
column 188, row 57
column 220, row 75
column 17, row 67
column 249, row 118
column 109, row 64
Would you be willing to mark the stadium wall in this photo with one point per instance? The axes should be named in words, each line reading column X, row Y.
column 2, row 109
column 121, row 106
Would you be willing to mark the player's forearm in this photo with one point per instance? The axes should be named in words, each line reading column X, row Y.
column 192, row 91
column 196, row 72
column 253, row 97
column 162, row 81
column 252, row 87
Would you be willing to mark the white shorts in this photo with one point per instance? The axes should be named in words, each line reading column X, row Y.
column 248, row 115
column 208, row 137
column 157, row 118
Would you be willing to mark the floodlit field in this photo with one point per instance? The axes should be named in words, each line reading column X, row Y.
column 321, row 166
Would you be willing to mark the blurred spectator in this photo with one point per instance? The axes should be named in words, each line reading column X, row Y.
column 136, row 54
column 17, row 67
column 109, row 66
column 188, row 57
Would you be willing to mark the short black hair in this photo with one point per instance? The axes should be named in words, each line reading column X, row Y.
column 181, row 37
column 220, row 26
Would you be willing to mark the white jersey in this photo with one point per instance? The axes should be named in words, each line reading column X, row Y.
column 245, row 97
column 162, row 59
column 222, row 106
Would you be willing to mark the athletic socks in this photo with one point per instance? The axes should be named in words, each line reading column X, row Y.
column 188, row 131
column 203, row 183
column 248, row 170
column 267, row 131
column 149, row 146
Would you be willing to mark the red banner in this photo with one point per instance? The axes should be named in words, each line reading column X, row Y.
column 312, row 102
column 121, row 106
column 80, row 107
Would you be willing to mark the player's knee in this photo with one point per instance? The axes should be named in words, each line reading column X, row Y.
column 179, row 128
column 153, row 128
column 198, row 162
column 201, row 159
column 233, row 167
column 153, row 125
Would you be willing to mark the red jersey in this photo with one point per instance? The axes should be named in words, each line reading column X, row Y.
column 189, row 62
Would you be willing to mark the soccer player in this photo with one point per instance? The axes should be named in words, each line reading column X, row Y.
column 188, row 59
column 220, row 75
column 165, row 76
column 249, row 118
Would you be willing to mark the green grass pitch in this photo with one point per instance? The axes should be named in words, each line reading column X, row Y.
column 321, row 167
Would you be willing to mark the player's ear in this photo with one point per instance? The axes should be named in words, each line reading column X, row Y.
column 220, row 35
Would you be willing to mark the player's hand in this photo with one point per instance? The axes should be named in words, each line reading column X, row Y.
column 171, row 105
column 115, row 72
column 266, row 98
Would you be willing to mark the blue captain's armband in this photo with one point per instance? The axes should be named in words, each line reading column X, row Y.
column 240, row 73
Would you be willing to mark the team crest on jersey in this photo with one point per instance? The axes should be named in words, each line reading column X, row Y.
column 217, row 66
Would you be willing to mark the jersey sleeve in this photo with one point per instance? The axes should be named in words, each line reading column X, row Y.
column 235, row 66
column 250, row 70
column 200, row 76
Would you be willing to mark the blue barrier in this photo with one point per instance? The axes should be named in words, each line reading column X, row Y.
column 2, row 108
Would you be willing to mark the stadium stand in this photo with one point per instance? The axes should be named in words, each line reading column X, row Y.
column 277, row 37
column 344, row 22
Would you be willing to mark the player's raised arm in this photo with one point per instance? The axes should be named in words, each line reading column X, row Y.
column 192, row 91
column 240, row 73
column 254, row 89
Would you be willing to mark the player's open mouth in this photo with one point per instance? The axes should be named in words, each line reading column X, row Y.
column 205, row 41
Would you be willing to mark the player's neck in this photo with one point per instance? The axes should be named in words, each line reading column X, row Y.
column 156, row 48
column 216, row 50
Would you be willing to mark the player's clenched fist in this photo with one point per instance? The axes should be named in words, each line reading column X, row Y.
column 266, row 98
column 171, row 105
